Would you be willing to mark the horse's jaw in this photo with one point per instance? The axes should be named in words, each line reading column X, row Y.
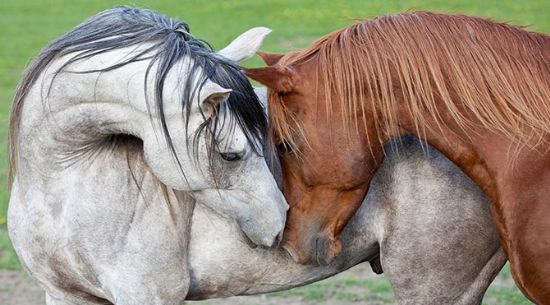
column 254, row 203
column 219, row 256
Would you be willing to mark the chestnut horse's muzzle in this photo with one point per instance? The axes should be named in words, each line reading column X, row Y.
column 319, row 249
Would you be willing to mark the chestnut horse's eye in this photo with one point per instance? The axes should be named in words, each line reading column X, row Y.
column 284, row 148
column 282, row 94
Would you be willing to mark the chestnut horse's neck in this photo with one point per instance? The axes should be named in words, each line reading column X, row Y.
column 491, row 159
column 509, row 173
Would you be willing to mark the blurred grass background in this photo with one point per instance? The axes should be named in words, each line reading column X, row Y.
column 26, row 26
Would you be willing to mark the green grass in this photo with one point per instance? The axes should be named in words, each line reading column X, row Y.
column 26, row 26
column 504, row 296
column 346, row 288
column 357, row 289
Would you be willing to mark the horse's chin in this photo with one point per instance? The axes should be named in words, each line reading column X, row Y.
column 247, row 240
column 261, row 223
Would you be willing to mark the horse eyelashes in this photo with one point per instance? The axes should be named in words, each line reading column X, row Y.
column 284, row 148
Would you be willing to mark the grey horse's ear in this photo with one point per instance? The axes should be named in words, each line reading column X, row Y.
column 246, row 45
column 211, row 96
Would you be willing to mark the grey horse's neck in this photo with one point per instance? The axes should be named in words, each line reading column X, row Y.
column 68, row 117
column 220, row 257
column 415, row 201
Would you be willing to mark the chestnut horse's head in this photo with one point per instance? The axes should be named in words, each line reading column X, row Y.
column 333, row 105
column 325, row 158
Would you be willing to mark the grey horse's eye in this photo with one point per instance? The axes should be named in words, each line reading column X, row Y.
column 231, row 156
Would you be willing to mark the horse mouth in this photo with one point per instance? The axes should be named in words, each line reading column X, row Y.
column 320, row 253
column 319, row 263
column 307, row 260
column 247, row 240
column 295, row 257
column 323, row 254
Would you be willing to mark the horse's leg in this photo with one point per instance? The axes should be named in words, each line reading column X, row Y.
column 137, row 290
column 451, row 276
column 54, row 301
column 477, row 289
column 153, row 269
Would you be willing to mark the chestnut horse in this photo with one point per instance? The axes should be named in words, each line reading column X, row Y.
column 477, row 90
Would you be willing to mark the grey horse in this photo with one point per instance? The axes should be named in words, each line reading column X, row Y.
column 122, row 78
column 99, row 213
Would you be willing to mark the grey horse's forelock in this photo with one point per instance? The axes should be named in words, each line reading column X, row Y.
column 168, row 41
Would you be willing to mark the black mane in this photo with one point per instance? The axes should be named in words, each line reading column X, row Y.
column 169, row 40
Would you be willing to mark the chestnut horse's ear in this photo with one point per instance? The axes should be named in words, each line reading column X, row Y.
column 276, row 78
column 270, row 58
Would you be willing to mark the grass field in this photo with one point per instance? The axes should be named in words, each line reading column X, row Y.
column 26, row 26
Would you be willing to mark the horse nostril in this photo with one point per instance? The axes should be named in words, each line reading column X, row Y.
column 317, row 251
column 322, row 252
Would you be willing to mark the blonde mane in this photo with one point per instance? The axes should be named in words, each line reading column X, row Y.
column 482, row 73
